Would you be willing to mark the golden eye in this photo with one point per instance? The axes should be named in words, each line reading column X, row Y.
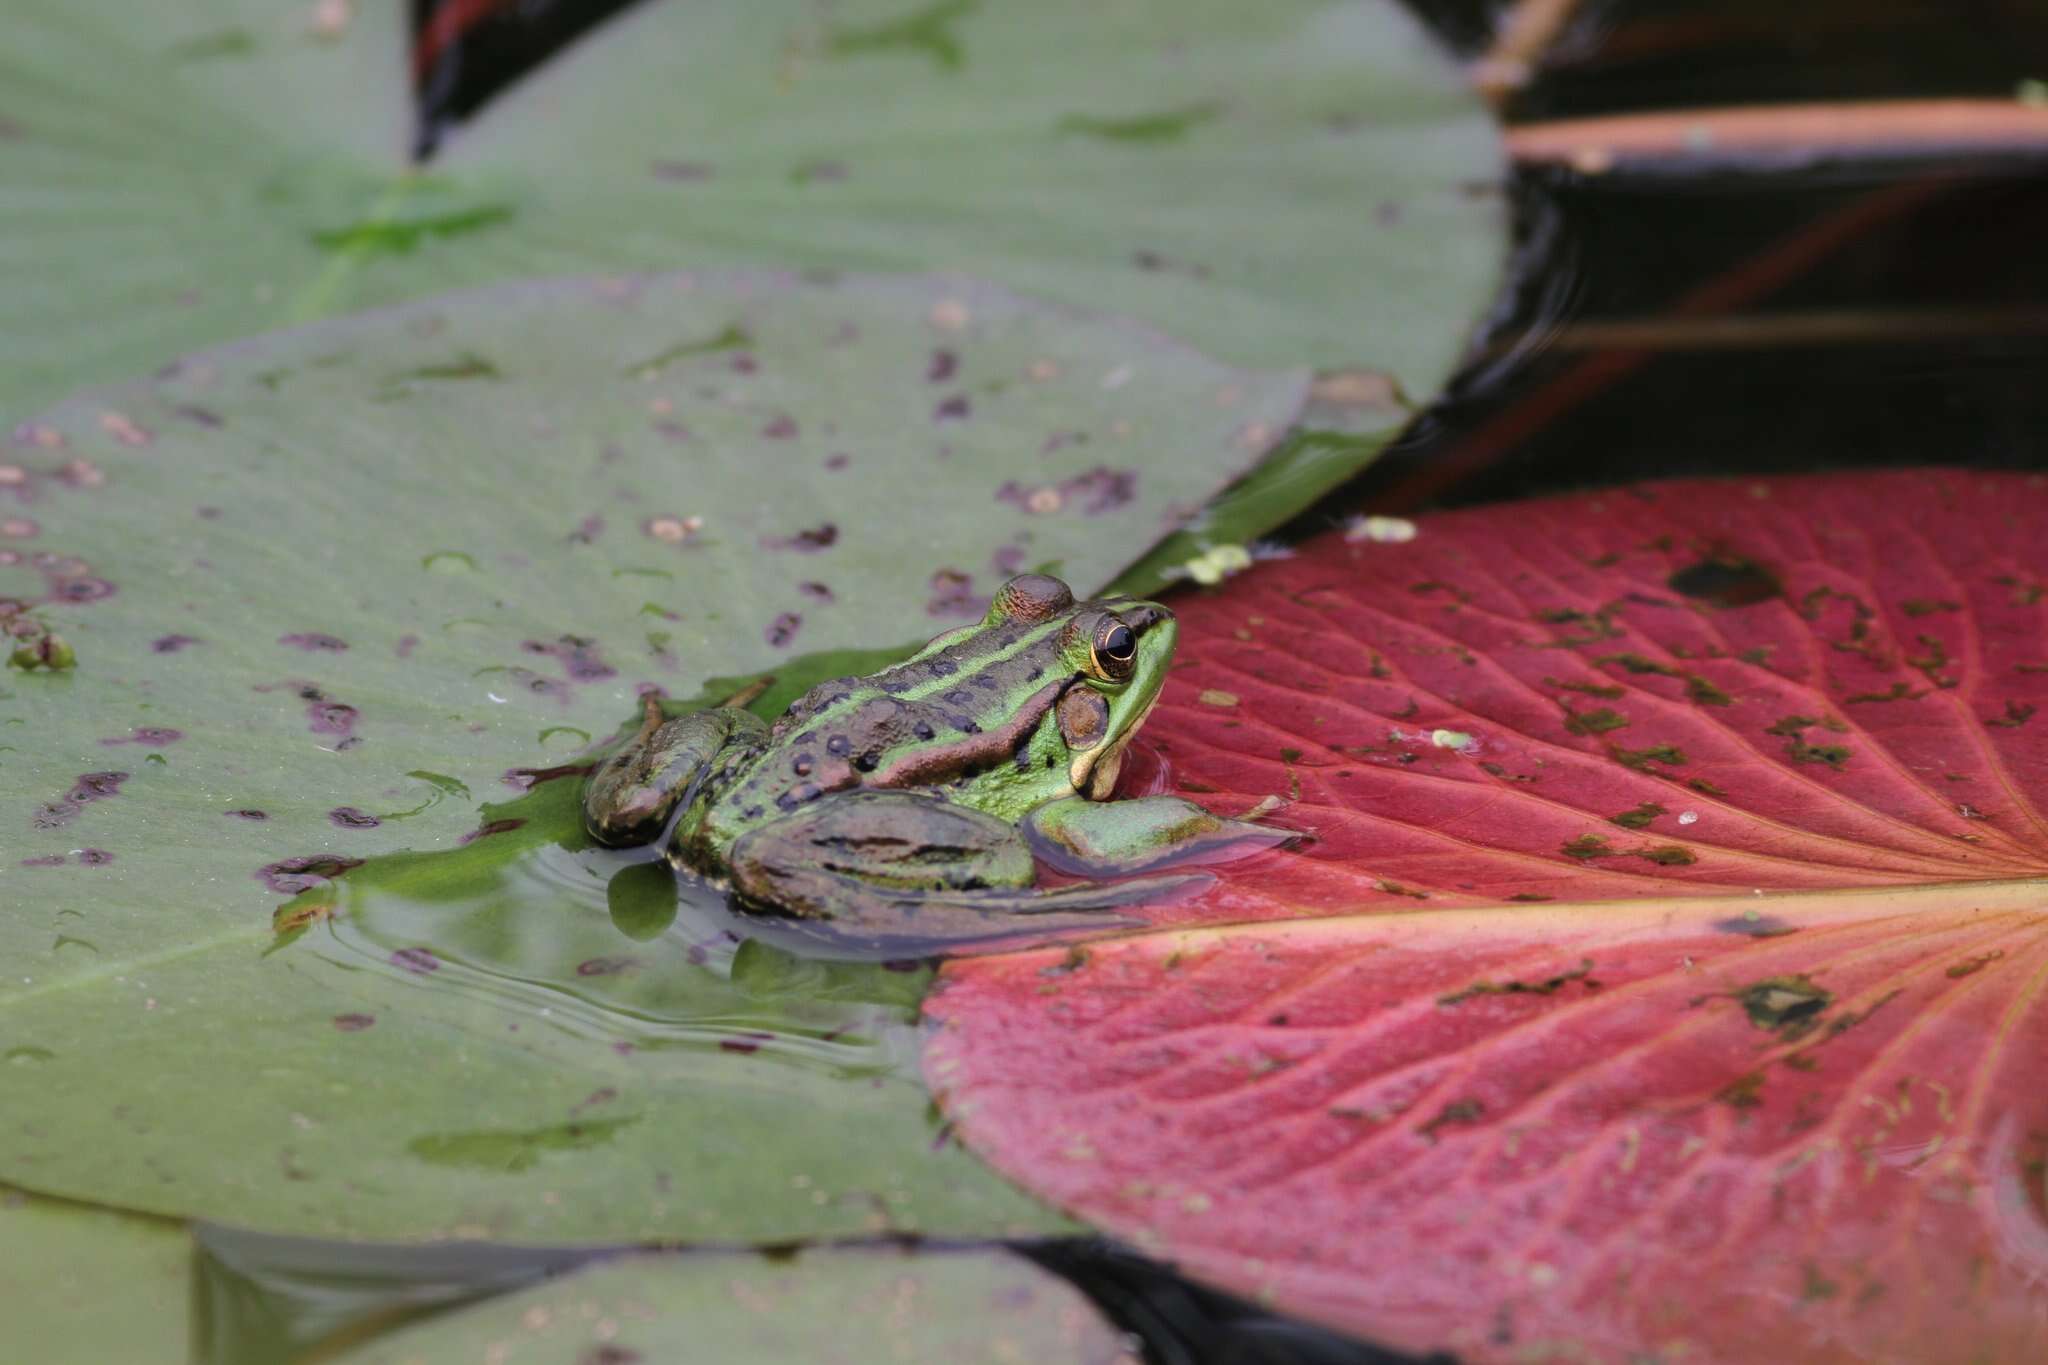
column 1114, row 647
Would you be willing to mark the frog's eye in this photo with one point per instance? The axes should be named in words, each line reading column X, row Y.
column 1114, row 647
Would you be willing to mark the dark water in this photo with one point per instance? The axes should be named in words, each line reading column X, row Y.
column 1743, row 320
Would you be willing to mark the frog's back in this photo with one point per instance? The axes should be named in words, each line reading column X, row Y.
column 935, row 721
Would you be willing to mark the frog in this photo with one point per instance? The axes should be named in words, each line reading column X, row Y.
column 920, row 798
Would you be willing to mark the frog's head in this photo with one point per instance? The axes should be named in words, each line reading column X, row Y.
column 1116, row 650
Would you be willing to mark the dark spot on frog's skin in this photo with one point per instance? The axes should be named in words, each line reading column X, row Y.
column 923, row 730
column 801, row 765
column 77, row 590
column 416, row 960
column 354, row 1023
column 817, row 592
column 943, row 668
column 988, row 683
column 944, row 364
column 782, row 428
column 959, row 696
column 348, row 817
column 902, row 964
column 968, row 727
column 807, row 791
column 952, row 409
column 290, row 876
column 1049, row 760
column 755, row 812
column 785, row 802
column 1726, row 582
column 249, row 815
column 485, row 831
column 808, row 541
column 839, row 746
column 314, row 640
column 868, row 761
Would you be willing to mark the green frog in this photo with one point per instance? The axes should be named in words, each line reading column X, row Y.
column 915, row 798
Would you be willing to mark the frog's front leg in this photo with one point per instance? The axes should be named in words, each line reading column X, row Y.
column 910, row 862
column 1114, row 838
column 634, row 792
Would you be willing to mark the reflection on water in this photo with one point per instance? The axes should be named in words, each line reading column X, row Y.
column 608, row 945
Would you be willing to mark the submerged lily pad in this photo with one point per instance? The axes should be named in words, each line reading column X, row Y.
column 940, row 1307
column 329, row 589
column 1298, row 181
column 90, row 1284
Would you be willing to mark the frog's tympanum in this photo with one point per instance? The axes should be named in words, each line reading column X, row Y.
column 916, row 797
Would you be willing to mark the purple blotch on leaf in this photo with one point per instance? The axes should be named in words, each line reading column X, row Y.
column 783, row 629
column 348, row 817
column 951, row 409
column 417, row 960
column 314, row 640
column 171, row 644
column 783, row 428
column 95, row 857
column 354, row 1023
column 807, row 541
column 944, row 364
column 77, row 590
column 290, row 876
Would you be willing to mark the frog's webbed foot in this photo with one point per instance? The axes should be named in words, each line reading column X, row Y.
column 1113, row 838
column 633, row 793
column 919, row 867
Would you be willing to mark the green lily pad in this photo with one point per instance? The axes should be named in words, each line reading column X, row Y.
column 329, row 589
column 1298, row 181
column 89, row 1284
column 940, row 1307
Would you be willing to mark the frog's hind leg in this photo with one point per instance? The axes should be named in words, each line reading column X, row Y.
column 1115, row 838
column 634, row 792
column 913, row 864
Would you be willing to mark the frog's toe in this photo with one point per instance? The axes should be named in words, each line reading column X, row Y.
column 1115, row 838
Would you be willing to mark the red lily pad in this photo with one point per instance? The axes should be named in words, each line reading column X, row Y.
column 1679, row 689
column 1775, row 1094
